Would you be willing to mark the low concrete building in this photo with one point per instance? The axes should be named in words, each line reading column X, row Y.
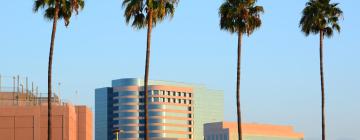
column 228, row 131
column 23, row 116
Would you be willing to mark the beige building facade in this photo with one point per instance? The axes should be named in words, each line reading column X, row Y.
column 24, row 117
column 228, row 131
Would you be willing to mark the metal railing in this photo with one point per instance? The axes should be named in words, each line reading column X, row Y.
column 15, row 90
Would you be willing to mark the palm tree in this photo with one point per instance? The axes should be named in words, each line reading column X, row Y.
column 56, row 10
column 241, row 17
column 146, row 14
column 321, row 16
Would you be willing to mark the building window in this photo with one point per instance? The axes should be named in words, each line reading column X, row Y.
column 184, row 101
column 189, row 109
column 169, row 93
column 184, row 94
column 156, row 99
column 190, row 102
column 174, row 100
column 179, row 94
column 155, row 92
column 190, row 94
column 174, row 93
column 168, row 100
column 179, row 101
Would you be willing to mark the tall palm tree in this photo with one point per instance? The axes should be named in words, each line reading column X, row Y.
column 146, row 14
column 241, row 17
column 56, row 10
column 321, row 16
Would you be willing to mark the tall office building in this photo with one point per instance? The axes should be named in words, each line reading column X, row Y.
column 228, row 131
column 177, row 111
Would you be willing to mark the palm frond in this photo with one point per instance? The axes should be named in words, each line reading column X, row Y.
column 240, row 16
column 136, row 11
column 65, row 7
column 320, row 15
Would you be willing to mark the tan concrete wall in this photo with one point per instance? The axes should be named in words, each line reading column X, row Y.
column 30, row 123
column 84, row 123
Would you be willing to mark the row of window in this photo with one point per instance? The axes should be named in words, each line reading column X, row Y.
column 171, row 100
column 171, row 93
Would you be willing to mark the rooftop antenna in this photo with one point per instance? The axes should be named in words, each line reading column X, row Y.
column 0, row 82
column 18, row 83
column 32, row 92
column 22, row 89
column 27, row 88
column 37, row 94
column 14, row 81
column 59, row 92
column 32, row 88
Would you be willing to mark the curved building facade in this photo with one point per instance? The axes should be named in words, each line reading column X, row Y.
column 171, row 110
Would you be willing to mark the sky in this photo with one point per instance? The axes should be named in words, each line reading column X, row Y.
column 280, row 66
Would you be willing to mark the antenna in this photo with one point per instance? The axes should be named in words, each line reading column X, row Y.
column 14, row 81
column 27, row 88
column 59, row 92
column 32, row 88
column 27, row 85
column 0, row 82
column 18, row 83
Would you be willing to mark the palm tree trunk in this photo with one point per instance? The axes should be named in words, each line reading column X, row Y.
column 50, row 67
column 322, row 86
column 238, row 86
column 147, row 65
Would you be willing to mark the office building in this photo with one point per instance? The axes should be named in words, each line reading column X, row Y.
column 177, row 111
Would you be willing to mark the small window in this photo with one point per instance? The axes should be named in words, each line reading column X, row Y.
column 169, row 100
column 155, row 92
column 174, row 93
column 169, row 93
column 179, row 94
column 184, row 101
column 184, row 94
column 190, row 94
column 174, row 100
column 156, row 99
column 179, row 101
column 190, row 102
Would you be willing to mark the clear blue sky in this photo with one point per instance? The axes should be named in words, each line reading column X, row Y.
column 280, row 82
